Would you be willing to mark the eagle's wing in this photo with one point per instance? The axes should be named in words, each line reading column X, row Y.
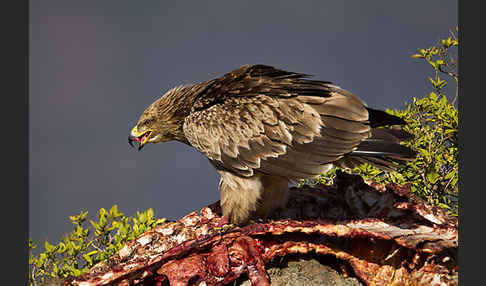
column 276, row 122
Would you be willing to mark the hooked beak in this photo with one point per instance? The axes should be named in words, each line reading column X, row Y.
column 140, row 137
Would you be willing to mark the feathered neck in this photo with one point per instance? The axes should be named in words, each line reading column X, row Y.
column 175, row 105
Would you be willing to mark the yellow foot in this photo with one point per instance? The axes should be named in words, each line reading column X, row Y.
column 224, row 228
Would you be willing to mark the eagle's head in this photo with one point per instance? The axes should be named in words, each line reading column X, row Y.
column 149, row 128
column 162, row 120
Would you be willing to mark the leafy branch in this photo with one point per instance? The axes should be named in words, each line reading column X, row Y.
column 85, row 246
column 433, row 122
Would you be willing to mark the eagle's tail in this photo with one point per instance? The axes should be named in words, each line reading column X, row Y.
column 383, row 149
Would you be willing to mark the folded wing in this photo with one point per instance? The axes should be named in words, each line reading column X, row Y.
column 262, row 119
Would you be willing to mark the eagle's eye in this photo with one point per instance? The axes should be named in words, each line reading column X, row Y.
column 146, row 123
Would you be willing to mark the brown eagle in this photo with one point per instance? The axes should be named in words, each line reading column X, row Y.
column 262, row 127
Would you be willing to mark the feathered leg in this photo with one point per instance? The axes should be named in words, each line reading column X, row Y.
column 254, row 197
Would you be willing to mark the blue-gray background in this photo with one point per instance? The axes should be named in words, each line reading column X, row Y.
column 96, row 65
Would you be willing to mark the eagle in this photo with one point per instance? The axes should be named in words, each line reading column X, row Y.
column 263, row 128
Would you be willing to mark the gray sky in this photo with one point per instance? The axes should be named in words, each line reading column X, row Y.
column 96, row 65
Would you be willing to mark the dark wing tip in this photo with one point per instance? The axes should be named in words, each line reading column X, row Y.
column 381, row 118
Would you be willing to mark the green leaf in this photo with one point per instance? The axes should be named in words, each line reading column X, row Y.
column 450, row 175
column 49, row 247
column 433, row 95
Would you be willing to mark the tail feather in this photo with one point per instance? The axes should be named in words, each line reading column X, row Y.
column 381, row 163
column 382, row 150
column 379, row 118
column 377, row 147
column 391, row 134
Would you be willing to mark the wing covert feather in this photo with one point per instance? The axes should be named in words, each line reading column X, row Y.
column 287, row 127
column 276, row 136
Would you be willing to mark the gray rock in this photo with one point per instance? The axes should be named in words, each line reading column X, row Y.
column 304, row 271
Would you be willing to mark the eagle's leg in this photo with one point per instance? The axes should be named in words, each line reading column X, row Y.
column 253, row 197
column 274, row 197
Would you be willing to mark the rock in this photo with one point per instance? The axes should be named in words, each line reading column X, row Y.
column 304, row 270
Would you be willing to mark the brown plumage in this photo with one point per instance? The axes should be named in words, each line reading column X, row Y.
column 261, row 127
